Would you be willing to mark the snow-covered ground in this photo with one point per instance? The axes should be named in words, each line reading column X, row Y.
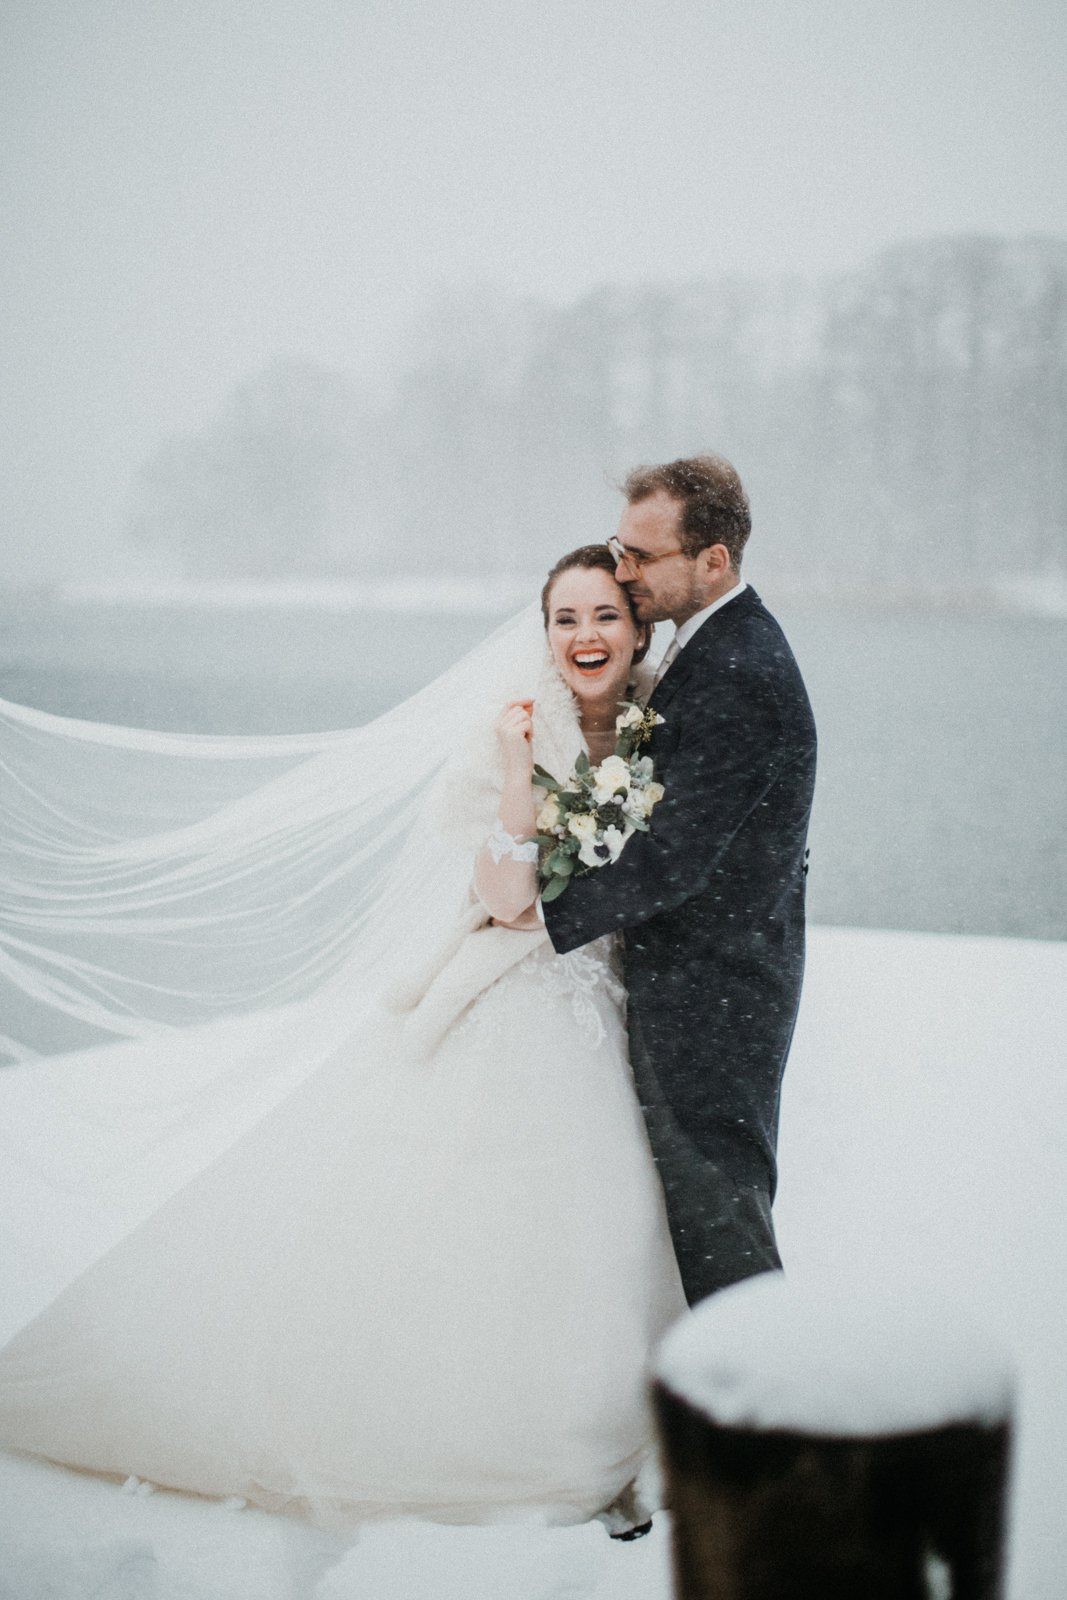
column 923, row 1137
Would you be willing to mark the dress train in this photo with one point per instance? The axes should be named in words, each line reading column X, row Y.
column 409, row 1284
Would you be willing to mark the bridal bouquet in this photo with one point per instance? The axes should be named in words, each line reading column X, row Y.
column 586, row 822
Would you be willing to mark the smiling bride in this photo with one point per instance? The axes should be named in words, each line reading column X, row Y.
column 323, row 1188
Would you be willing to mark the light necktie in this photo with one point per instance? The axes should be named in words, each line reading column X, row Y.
column 670, row 656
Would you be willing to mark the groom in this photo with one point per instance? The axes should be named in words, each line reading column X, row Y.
column 711, row 901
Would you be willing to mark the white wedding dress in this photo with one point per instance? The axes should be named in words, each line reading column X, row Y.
column 378, row 1250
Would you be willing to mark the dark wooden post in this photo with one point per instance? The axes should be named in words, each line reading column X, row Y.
column 763, row 1511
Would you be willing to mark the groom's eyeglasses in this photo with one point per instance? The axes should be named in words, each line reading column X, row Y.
column 637, row 558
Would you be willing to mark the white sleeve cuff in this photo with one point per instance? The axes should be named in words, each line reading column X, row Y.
column 539, row 908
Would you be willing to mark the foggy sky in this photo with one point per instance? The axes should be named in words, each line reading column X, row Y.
column 192, row 188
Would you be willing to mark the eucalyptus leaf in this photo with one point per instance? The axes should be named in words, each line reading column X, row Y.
column 560, row 864
column 544, row 780
column 553, row 889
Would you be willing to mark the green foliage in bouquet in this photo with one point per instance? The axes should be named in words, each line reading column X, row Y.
column 587, row 822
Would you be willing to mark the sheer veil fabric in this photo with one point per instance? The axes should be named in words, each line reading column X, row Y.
column 315, row 1189
column 154, row 879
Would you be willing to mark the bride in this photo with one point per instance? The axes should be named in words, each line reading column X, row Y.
column 359, row 1219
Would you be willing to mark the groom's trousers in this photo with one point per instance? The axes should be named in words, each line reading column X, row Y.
column 721, row 1227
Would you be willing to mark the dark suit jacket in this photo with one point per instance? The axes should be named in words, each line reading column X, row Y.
column 711, row 901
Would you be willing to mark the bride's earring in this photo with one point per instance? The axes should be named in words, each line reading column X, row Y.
column 644, row 643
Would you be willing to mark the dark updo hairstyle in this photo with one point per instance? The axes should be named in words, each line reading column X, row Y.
column 588, row 557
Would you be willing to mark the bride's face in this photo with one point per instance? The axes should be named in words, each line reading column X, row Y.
column 591, row 632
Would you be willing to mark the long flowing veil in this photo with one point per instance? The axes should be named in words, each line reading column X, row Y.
column 152, row 879
column 190, row 927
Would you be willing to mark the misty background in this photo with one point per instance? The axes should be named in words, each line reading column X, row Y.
column 325, row 328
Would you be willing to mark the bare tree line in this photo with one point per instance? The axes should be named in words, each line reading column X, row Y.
column 900, row 425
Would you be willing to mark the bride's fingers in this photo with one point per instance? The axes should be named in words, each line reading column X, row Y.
column 515, row 717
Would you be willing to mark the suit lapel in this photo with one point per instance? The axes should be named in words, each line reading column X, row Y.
column 671, row 682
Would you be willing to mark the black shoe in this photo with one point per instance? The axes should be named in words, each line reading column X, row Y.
column 633, row 1533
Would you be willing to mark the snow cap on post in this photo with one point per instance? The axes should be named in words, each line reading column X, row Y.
column 835, row 1358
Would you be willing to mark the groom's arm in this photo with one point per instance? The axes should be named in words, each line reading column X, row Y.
column 730, row 753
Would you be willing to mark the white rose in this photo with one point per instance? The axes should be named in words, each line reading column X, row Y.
column 582, row 827
column 632, row 717
column 612, row 775
column 654, row 793
column 548, row 817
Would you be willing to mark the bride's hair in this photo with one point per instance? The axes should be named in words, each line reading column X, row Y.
column 589, row 556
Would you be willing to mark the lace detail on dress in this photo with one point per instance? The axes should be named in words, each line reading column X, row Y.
column 580, row 975
column 584, row 977
column 501, row 843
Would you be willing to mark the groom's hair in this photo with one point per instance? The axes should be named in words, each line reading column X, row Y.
column 714, row 504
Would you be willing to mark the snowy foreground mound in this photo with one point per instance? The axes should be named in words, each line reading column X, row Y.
column 922, row 1141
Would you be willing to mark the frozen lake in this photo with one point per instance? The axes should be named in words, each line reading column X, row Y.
column 943, row 737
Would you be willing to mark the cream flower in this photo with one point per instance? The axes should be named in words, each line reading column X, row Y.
column 548, row 818
column 612, row 775
column 583, row 827
column 632, row 717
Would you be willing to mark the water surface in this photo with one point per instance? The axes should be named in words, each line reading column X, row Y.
column 942, row 737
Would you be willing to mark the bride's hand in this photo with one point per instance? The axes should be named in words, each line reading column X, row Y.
column 514, row 729
column 526, row 922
